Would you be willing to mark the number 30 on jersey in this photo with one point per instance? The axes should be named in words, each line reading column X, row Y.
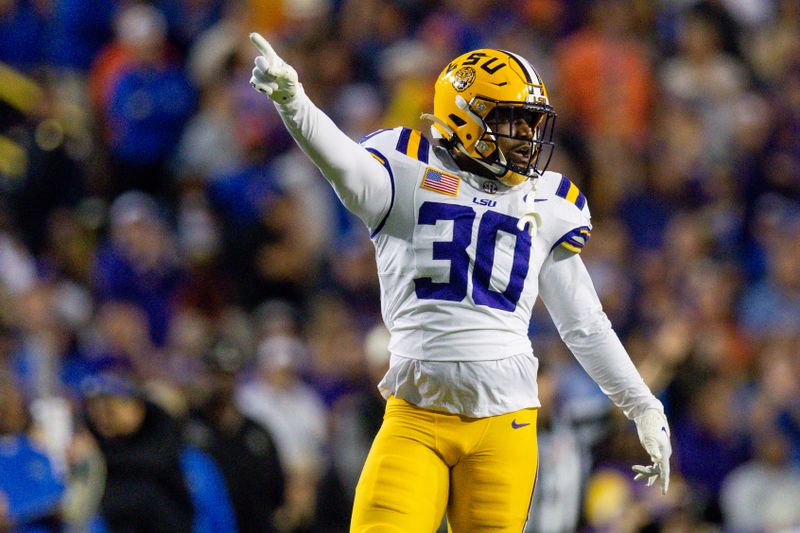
column 455, row 251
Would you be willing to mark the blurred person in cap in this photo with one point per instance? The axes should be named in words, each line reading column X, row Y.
column 294, row 413
column 469, row 229
column 145, row 490
column 244, row 449
column 139, row 264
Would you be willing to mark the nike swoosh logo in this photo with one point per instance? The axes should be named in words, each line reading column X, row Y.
column 517, row 426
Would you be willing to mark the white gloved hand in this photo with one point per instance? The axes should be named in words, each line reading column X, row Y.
column 654, row 435
column 271, row 75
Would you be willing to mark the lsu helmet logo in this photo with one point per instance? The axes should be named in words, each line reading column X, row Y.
column 463, row 78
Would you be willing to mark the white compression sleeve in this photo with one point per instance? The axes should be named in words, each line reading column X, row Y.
column 569, row 295
column 361, row 182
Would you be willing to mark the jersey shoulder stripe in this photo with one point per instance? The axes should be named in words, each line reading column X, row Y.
column 413, row 144
column 396, row 141
column 570, row 192
column 574, row 240
column 385, row 162
column 569, row 221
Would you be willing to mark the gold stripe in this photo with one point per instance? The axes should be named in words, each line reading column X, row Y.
column 570, row 247
column 19, row 90
column 13, row 158
column 413, row 144
column 572, row 193
column 381, row 161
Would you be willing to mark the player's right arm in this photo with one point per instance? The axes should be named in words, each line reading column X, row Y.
column 360, row 181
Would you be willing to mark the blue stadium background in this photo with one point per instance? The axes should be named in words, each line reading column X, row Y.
column 153, row 209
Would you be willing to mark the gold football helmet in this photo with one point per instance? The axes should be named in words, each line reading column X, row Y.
column 485, row 95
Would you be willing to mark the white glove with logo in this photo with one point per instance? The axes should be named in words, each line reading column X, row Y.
column 654, row 435
column 271, row 75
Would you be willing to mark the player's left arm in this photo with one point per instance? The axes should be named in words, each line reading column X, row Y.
column 570, row 297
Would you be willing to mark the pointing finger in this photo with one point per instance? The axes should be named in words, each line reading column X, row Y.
column 263, row 47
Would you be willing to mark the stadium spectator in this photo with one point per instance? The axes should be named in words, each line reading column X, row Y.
column 139, row 263
column 244, row 450
column 147, row 104
column 78, row 31
column 355, row 420
column 562, row 454
column 602, row 102
column 31, row 487
column 294, row 414
column 23, row 34
column 145, row 489
column 762, row 494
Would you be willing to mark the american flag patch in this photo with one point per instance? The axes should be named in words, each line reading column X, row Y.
column 437, row 181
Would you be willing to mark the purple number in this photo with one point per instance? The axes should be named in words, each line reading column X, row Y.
column 482, row 294
column 455, row 250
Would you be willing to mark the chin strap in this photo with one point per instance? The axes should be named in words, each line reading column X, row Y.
column 531, row 217
column 439, row 122
column 457, row 145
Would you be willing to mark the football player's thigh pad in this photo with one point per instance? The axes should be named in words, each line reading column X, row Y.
column 403, row 486
column 491, row 489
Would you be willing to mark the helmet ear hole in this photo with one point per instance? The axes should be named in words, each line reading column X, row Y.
column 469, row 136
column 458, row 121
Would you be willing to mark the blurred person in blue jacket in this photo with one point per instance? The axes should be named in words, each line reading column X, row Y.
column 31, row 490
column 148, row 105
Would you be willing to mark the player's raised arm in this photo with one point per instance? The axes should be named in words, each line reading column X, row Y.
column 360, row 181
column 569, row 295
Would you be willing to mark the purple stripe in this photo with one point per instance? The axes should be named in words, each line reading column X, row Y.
column 580, row 201
column 424, row 145
column 391, row 179
column 402, row 142
column 563, row 187
column 570, row 238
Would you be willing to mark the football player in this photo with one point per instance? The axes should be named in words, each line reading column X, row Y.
column 469, row 228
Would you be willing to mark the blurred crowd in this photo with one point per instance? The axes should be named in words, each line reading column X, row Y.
column 190, row 331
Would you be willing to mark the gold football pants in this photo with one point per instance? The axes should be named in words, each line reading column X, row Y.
column 480, row 470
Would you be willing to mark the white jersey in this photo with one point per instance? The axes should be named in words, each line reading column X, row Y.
column 459, row 279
